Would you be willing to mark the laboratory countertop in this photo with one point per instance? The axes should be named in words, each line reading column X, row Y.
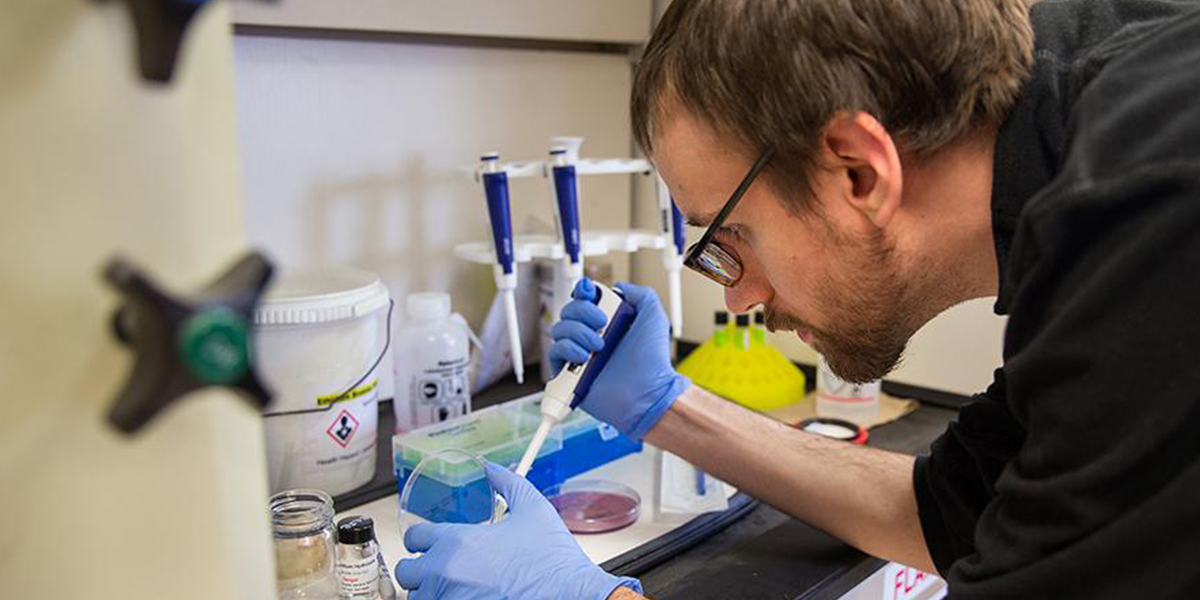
column 763, row 554
column 767, row 554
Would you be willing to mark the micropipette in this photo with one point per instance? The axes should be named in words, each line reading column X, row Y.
column 571, row 385
column 566, row 194
column 671, row 221
column 495, row 187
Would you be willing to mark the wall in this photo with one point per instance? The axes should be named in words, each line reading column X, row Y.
column 349, row 146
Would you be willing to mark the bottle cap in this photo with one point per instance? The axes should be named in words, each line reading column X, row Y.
column 759, row 319
column 743, row 320
column 356, row 530
column 428, row 306
column 722, row 317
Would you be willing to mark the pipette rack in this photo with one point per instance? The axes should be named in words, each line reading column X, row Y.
column 528, row 248
column 583, row 166
column 597, row 242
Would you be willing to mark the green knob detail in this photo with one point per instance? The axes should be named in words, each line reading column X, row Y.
column 215, row 345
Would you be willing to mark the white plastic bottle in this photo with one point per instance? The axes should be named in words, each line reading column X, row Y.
column 433, row 359
column 840, row 399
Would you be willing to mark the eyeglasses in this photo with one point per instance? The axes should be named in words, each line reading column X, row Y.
column 707, row 256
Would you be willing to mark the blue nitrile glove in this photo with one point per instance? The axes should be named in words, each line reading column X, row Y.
column 530, row 555
column 638, row 384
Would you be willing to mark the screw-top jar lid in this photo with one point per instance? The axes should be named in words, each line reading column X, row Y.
column 356, row 530
column 428, row 306
column 722, row 317
column 743, row 320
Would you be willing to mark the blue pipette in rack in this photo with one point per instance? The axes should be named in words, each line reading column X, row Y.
column 495, row 188
column 566, row 196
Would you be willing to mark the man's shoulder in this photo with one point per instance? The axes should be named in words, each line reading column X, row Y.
column 1133, row 142
column 1139, row 108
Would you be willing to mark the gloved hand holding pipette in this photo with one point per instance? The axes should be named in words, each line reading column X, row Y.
column 574, row 380
column 638, row 384
column 530, row 555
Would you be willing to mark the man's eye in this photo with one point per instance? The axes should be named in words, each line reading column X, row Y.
column 730, row 234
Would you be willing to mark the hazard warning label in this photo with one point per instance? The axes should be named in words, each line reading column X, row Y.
column 343, row 428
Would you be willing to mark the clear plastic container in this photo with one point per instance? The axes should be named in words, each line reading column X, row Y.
column 498, row 434
column 839, row 399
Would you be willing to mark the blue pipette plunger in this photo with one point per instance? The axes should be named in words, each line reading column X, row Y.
column 566, row 195
column 495, row 187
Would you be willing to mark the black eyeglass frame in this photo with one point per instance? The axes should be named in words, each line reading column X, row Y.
column 692, row 260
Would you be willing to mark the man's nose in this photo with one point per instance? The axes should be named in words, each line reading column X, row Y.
column 748, row 293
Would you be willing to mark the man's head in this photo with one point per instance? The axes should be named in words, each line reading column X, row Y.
column 871, row 107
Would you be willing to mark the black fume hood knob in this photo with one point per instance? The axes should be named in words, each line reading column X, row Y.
column 185, row 343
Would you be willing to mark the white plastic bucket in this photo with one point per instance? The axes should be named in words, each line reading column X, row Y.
column 320, row 343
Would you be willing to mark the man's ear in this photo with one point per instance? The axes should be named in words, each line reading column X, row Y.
column 867, row 165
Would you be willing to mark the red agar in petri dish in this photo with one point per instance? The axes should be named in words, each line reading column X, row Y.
column 595, row 506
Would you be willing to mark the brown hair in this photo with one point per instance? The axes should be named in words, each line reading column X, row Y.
column 774, row 72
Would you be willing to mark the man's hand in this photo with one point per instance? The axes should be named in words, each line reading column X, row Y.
column 638, row 384
column 528, row 556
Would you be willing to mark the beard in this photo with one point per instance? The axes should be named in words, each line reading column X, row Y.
column 869, row 310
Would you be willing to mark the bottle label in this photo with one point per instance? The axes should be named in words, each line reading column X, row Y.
column 359, row 578
column 440, row 391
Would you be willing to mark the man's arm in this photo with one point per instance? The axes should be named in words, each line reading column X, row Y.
column 624, row 593
column 861, row 495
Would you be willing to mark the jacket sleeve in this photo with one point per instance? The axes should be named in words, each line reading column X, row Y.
column 956, row 481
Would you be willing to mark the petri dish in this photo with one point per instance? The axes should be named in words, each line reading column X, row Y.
column 448, row 486
column 837, row 429
column 595, row 506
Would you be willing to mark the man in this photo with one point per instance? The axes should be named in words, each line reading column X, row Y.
column 897, row 157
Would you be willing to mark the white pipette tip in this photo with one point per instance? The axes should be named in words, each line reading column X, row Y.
column 514, row 335
column 535, row 446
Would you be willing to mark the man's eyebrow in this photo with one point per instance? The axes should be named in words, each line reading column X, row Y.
column 700, row 220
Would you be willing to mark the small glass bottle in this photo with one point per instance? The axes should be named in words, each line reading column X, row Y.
column 758, row 335
column 741, row 333
column 358, row 560
column 720, row 328
column 305, row 551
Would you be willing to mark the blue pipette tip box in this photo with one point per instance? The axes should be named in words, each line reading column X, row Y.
column 586, row 442
column 499, row 434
